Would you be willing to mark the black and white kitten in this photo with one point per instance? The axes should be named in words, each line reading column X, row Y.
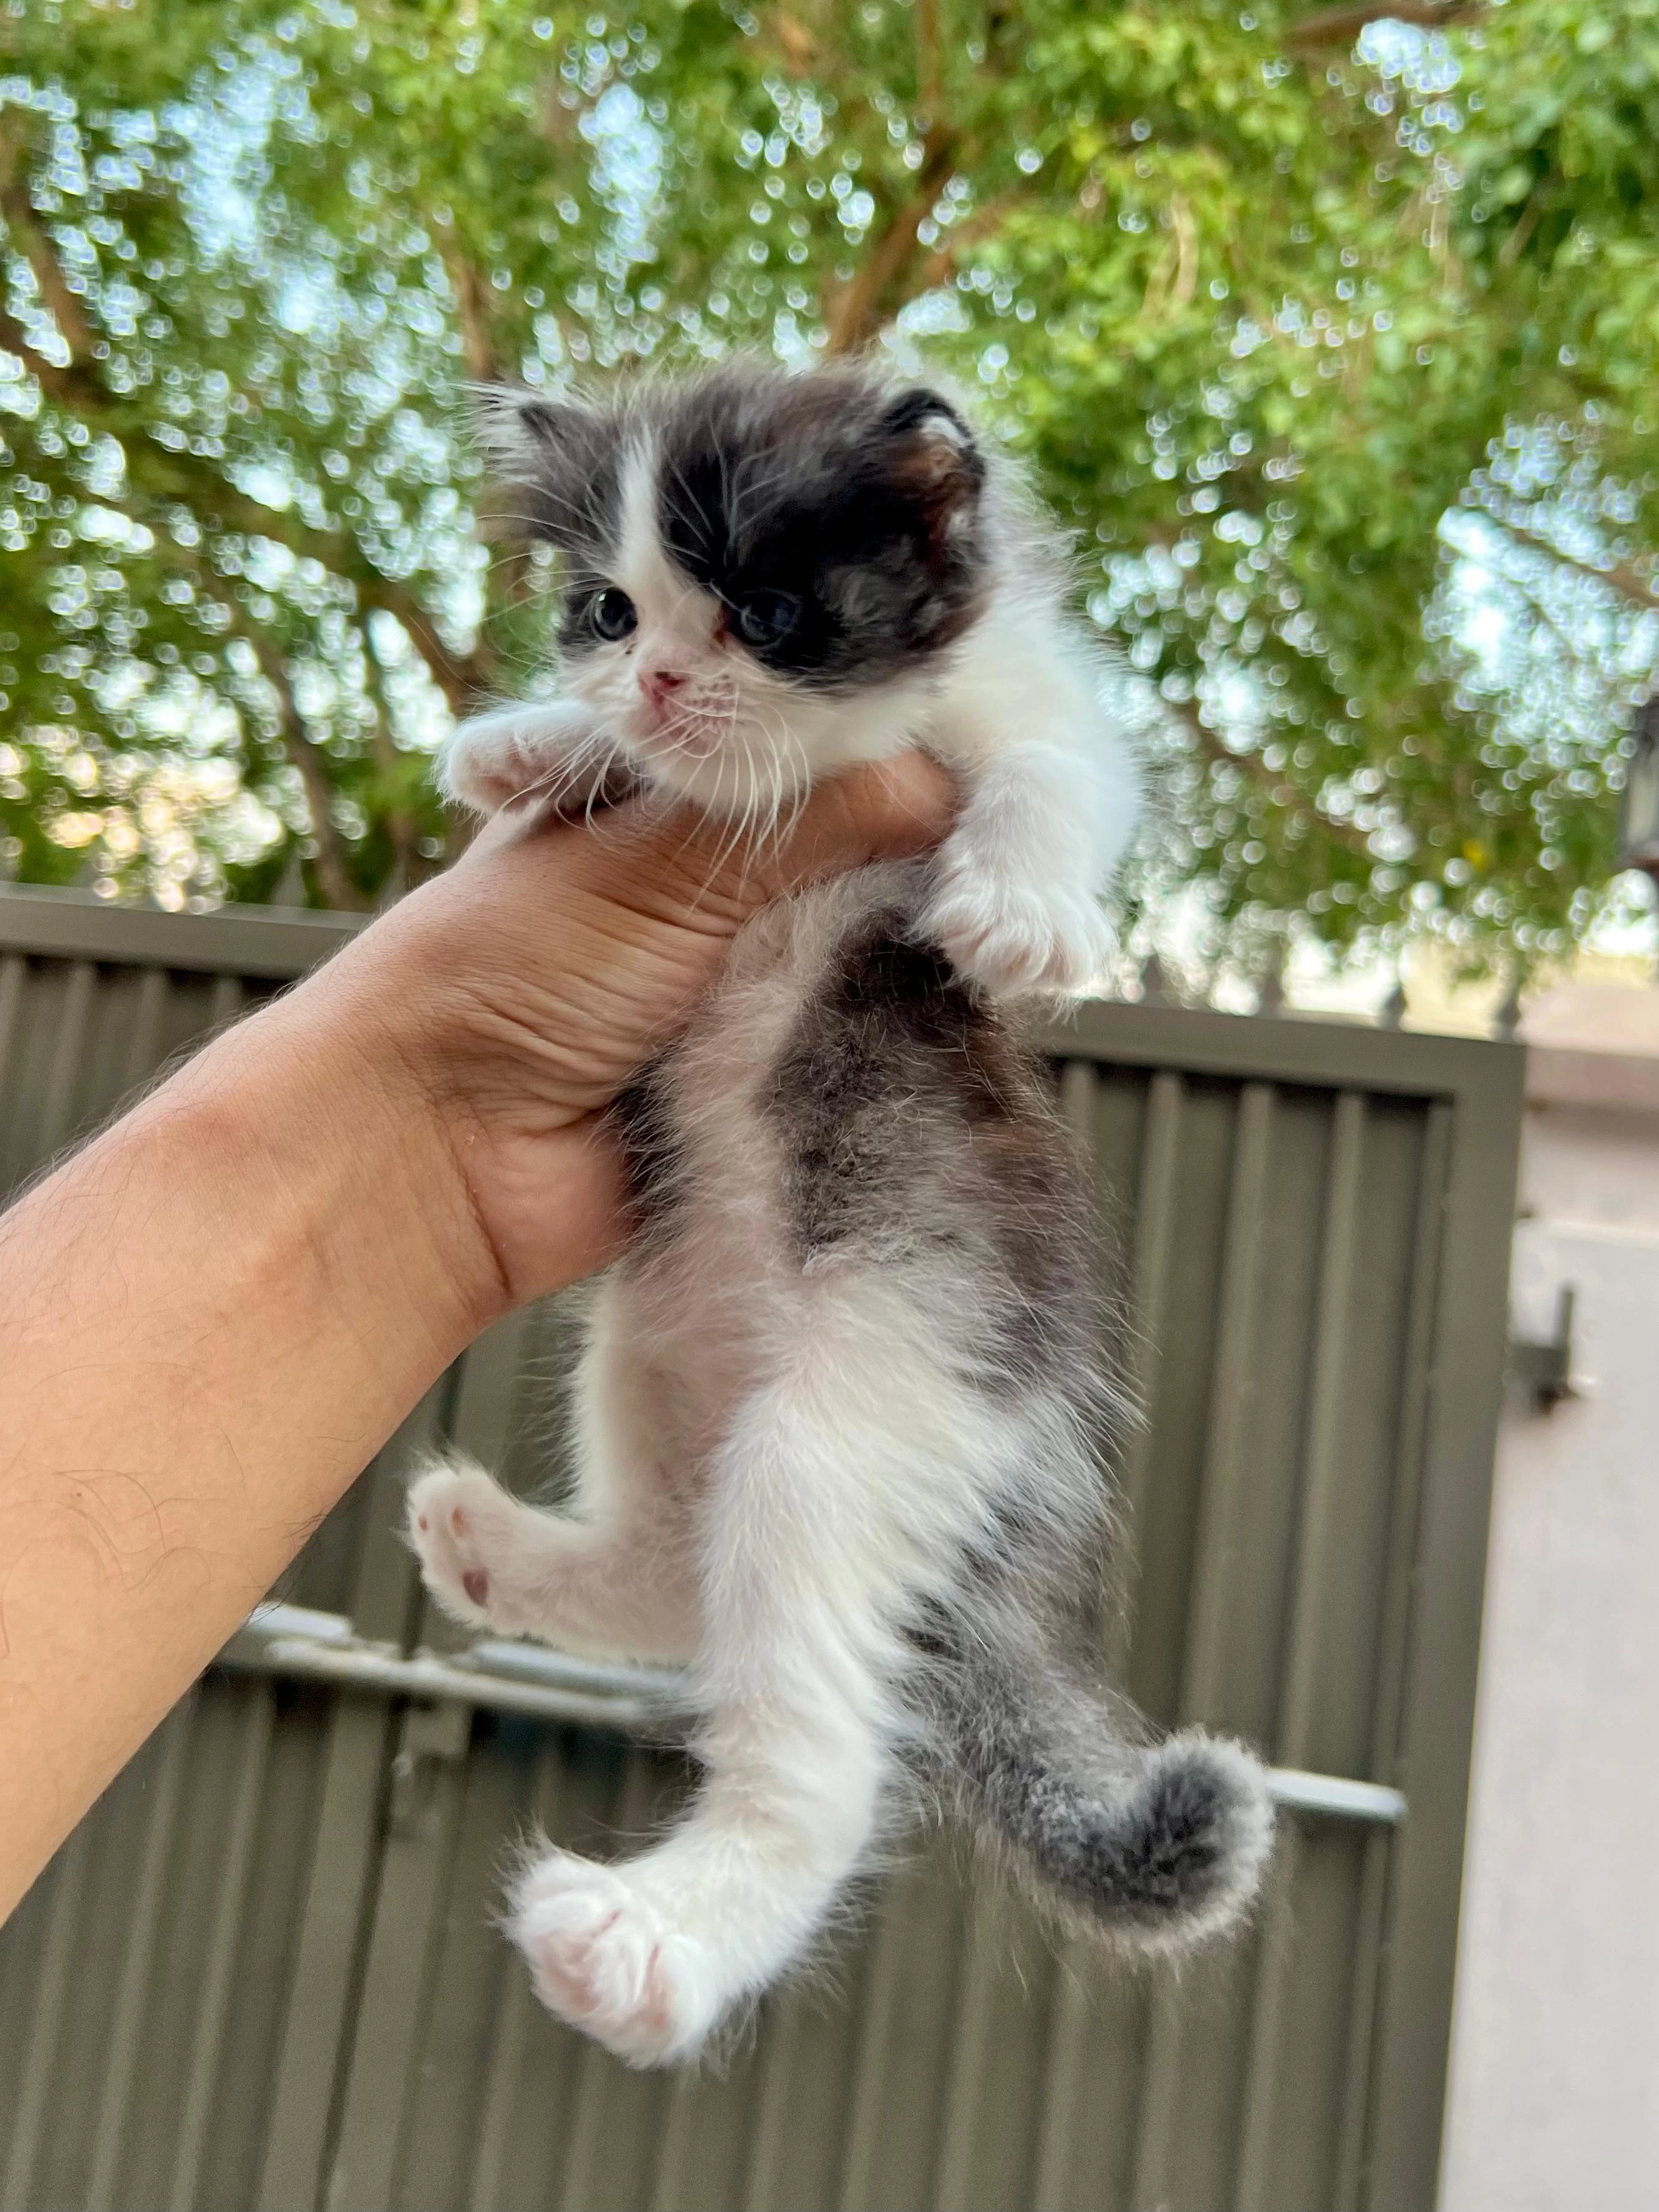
column 840, row 1416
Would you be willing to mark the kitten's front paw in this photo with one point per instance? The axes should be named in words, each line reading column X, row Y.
column 605, row 1958
column 1013, row 938
column 518, row 751
column 460, row 1526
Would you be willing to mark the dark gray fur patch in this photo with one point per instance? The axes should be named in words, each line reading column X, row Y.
column 911, row 1117
column 649, row 1138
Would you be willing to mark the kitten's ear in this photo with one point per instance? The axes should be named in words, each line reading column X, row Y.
column 522, row 432
column 936, row 458
column 554, row 465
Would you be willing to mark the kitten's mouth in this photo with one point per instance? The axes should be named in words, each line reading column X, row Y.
column 688, row 731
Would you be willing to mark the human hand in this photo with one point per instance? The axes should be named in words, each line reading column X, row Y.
column 515, row 996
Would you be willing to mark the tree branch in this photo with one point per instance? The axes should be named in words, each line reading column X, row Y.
column 1340, row 27
column 471, row 307
column 462, row 677
column 857, row 313
column 930, row 82
column 1621, row 576
column 1251, row 764
column 333, row 868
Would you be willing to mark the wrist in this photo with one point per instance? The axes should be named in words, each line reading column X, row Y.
column 313, row 1109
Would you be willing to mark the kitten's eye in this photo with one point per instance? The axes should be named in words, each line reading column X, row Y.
column 765, row 616
column 612, row 614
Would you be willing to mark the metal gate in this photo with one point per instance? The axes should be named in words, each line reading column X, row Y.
column 265, row 1971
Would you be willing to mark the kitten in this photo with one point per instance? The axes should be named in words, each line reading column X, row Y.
column 840, row 1419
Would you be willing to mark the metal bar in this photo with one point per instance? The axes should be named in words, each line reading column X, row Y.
column 1338, row 1799
column 242, row 940
column 293, row 1640
column 17, row 2190
column 213, row 2005
column 423, row 1827
column 1330, row 1055
column 125, row 2042
column 1443, row 1645
column 560, row 1689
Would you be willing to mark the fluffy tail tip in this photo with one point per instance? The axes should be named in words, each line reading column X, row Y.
column 1194, row 1843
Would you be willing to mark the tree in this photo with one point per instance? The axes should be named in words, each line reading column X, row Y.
column 1335, row 353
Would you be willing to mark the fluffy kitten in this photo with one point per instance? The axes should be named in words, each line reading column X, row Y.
column 841, row 1418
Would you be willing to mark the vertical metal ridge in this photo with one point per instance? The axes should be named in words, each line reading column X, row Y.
column 17, row 2189
column 512, row 2018
column 1062, row 2080
column 13, row 972
column 121, row 2062
column 144, row 1044
column 1410, row 1456
column 1299, row 1689
column 228, row 1001
column 68, row 1053
column 1230, row 1392
column 1149, row 1285
column 257, row 1710
column 869, row 2056
column 404, row 1947
column 762, row 2181
column 1154, row 1234
column 986, row 1934
column 595, row 2066
column 1200, row 1682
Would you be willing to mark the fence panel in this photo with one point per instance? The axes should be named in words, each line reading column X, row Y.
column 295, row 1885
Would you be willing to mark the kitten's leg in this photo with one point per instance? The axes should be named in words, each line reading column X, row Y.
column 611, row 1576
column 806, row 1579
column 1052, row 794
column 556, row 746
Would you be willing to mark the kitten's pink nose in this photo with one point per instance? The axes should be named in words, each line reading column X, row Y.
column 659, row 684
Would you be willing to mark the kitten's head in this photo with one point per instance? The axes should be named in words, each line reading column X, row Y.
column 761, row 567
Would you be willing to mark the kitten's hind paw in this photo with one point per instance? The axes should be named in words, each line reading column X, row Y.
column 604, row 1957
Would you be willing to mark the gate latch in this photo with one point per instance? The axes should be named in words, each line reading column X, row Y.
column 432, row 1738
column 1544, row 1368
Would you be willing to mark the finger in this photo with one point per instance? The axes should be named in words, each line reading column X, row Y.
column 884, row 811
column 685, row 868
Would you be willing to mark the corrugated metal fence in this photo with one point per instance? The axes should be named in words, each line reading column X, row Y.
column 263, row 1973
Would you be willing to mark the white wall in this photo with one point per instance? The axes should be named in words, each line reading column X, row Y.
column 1554, row 2090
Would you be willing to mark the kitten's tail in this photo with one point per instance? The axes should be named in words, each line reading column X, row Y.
column 1157, row 1844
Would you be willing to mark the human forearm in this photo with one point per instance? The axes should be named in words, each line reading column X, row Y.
column 210, row 1319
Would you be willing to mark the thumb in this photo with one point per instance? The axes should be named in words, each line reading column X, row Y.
column 882, row 811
